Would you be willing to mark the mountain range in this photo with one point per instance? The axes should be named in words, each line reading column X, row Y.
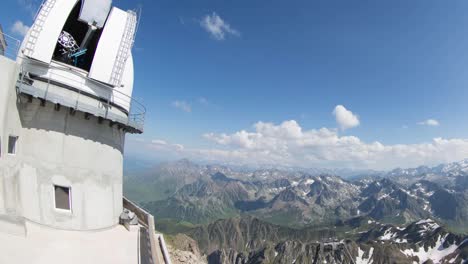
column 199, row 199
column 249, row 240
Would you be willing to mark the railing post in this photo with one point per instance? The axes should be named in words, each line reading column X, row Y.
column 22, row 78
column 77, row 99
column 129, row 111
column 48, row 84
column 108, row 103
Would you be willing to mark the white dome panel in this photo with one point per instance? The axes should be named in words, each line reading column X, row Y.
column 40, row 42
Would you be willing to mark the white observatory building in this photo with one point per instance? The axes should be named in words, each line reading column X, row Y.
column 65, row 107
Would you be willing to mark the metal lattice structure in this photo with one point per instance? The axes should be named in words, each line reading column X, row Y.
column 68, row 43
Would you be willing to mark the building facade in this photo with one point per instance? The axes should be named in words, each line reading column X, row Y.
column 65, row 107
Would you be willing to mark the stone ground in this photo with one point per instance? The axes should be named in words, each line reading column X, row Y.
column 45, row 245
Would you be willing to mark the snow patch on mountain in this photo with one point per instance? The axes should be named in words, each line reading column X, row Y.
column 309, row 182
column 360, row 259
column 436, row 253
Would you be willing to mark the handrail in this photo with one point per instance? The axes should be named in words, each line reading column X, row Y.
column 10, row 50
column 136, row 110
column 164, row 250
column 145, row 219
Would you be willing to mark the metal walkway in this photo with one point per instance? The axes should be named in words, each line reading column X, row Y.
column 133, row 120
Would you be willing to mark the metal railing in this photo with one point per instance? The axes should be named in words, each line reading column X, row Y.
column 110, row 104
column 147, row 220
column 9, row 46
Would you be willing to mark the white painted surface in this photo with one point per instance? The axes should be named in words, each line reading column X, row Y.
column 7, row 79
column 53, row 25
column 127, row 85
column 77, row 79
column 43, row 245
column 108, row 46
column 62, row 74
column 95, row 11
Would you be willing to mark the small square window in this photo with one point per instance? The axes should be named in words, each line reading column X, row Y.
column 62, row 197
column 12, row 144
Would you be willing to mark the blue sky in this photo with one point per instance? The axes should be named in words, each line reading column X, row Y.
column 208, row 70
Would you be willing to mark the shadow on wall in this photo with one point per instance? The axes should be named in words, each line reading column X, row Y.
column 52, row 117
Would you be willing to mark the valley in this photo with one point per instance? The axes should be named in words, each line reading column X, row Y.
column 237, row 215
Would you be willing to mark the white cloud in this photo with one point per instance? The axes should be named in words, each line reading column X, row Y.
column 429, row 122
column 162, row 145
column 158, row 142
column 345, row 118
column 288, row 143
column 19, row 28
column 217, row 27
column 182, row 105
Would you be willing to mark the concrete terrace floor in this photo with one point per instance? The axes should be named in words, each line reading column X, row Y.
column 45, row 245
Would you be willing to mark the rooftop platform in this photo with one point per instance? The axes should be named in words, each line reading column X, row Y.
column 45, row 245
column 24, row 241
column 29, row 242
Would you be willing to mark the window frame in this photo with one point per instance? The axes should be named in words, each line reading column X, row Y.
column 15, row 146
column 69, row 198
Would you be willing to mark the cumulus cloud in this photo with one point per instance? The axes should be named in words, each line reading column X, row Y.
column 182, row 105
column 288, row 143
column 217, row 27
column 429, row 122
column 19, row 28
column 345, row 118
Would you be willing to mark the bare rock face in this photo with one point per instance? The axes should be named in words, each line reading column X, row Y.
column 203, row 194
column 228, row 256
column 185, row 243
column 249, row 240
column 184, row 249
column 184, row 257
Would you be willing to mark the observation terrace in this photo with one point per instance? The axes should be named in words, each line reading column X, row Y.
column 68, row 86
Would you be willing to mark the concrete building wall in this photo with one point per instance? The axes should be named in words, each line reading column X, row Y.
column 8, row 70
column 57, row 147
